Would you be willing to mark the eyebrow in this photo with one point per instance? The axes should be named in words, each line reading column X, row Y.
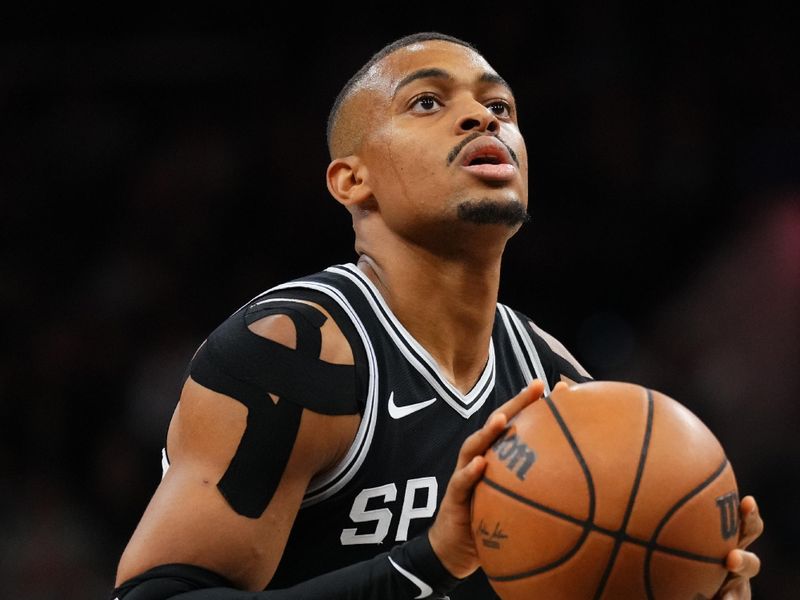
column 436, row 73
column 496, row 79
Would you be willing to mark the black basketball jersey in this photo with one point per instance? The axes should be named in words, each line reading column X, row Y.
column 388, row 486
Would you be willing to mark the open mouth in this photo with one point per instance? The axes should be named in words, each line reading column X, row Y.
column 486, row 152
column 488, row 159
column 485, row 160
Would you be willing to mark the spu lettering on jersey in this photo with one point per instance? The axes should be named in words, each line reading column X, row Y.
column 373, row 506
column 515, row 453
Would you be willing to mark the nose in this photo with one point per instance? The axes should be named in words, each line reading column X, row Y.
column 478, row 118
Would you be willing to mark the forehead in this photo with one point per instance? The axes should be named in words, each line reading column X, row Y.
column 457, row 60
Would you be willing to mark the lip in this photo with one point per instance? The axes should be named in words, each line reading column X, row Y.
column 500, row 167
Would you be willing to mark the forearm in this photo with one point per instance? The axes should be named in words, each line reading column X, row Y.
column 410, row 570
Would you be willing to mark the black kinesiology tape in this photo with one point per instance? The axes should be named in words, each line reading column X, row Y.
column 248, row 367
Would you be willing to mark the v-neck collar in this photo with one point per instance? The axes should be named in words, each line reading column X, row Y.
column 465, row 404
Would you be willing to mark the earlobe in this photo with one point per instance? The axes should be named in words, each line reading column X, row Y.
column 347, row 181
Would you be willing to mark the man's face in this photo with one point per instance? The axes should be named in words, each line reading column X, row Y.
column 443, row 138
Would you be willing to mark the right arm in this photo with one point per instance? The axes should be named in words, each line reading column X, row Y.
column 191, row 543
column 188, row 520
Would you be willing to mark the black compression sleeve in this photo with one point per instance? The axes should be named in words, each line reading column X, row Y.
column 410, row 570
column 168, row 581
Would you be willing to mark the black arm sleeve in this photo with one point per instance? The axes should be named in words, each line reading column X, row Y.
column 410, row 570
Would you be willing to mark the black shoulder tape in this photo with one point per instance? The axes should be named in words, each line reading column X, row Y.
column 249, row 367
column 307, row 321
column 253, row 370
column 347, row 327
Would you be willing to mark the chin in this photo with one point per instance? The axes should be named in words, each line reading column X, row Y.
column 489, row 211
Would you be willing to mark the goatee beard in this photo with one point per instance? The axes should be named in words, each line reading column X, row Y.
column 492, row 212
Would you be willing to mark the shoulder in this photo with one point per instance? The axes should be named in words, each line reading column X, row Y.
column 289, row 313
column 557, row 348
column 286, row 343
column 290, row 323
column 552, row 351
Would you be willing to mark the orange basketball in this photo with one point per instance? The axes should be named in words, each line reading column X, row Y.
column 606, row 490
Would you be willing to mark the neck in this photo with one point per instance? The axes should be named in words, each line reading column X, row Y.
column 447, row 303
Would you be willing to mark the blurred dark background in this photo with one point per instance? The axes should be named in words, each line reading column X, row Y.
column 158, row 169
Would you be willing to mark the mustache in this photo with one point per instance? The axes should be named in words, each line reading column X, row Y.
column 460, row 146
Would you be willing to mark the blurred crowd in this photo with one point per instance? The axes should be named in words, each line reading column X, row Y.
column 154, row 178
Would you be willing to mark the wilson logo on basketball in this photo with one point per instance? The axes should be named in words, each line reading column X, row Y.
column 604, row 513
column 728, row 508
column 515, row 454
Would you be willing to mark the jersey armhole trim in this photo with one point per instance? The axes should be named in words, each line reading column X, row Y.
column 559, row 349
column 325, row 485
column 528, row 359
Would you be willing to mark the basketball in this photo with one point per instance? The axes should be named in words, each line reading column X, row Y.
column 606, row 490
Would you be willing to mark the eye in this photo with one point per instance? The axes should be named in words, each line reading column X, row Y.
column 425, row 103
column 501, row 108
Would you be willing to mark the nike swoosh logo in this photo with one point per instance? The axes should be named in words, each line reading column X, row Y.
column 424, row 589
column 398, row 412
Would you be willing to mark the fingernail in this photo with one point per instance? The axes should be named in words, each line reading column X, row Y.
column 735, row 563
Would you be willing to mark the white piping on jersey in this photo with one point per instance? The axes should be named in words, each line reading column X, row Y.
column 523, row 364
column 420, row 359
column 295, row 300
column 533, row 355
column 408, row 344
column 327, row 484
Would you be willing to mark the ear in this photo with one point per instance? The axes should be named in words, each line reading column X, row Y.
column 347, row 181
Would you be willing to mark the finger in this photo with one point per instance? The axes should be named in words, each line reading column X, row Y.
column 560, row 385
column 742, row 563
column 735, row 589
column 465, row 479
column 752, row 525
column 532, row 392
column 478, row 442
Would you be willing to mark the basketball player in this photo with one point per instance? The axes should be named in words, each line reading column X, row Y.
column 330, row 432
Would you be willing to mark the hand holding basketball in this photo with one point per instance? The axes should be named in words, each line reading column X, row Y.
column 606, row 490
column 743, row 565
column 450, row 535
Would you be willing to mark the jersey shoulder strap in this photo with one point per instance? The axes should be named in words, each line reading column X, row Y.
column 544, row 356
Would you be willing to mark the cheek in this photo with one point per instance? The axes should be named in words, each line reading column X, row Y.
column 407, row 168
column 513, row 137
column 518, row 144
column 523, row 162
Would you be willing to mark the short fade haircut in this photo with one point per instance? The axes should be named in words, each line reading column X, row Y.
column 414, row 38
